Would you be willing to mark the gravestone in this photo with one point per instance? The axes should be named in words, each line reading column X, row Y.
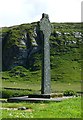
column 45, row 28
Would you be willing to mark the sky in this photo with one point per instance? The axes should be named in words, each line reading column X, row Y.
column 15, row 12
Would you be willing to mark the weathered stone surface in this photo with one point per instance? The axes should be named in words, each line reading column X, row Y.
column 19, row 99
column 25, row 98
column 46, row 96
column 45, row 28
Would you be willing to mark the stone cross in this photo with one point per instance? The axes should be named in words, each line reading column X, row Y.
column 45, row 28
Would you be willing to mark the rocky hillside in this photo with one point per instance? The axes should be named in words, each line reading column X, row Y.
column 22, row 47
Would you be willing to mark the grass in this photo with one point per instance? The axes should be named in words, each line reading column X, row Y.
column 70, row 108
column 61, row 86
column 23, row 88
column 22, row 84
column 55, row 85
column 65, row 74
column 61, row 80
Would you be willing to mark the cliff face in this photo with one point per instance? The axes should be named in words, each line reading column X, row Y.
column 22, row 47
column 19, row 44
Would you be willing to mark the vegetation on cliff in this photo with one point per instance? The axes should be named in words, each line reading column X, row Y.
column 65, row 45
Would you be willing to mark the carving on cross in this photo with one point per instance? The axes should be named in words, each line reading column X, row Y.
column 45, row 25
column 45, row 28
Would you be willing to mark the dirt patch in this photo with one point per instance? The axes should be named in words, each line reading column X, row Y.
column 29, row 110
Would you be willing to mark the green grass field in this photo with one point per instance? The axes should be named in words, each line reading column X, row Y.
column 70, row 108
column 23, row 88
column 55, row 86
column 65, row 57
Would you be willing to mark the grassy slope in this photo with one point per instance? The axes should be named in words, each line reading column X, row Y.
column 70, row 108
column 65, row 66
column 32, row 83
column 65, row 74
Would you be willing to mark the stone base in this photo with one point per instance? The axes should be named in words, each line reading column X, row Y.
column 46, row 96
column 36, row 98
column 26, row 99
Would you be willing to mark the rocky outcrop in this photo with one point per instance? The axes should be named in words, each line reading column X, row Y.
column 20, row 53
column 22, row 44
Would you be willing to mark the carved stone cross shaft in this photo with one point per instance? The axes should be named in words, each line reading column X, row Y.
column 45, row 27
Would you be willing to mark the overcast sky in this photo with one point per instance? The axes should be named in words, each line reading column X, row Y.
column 15, row 12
